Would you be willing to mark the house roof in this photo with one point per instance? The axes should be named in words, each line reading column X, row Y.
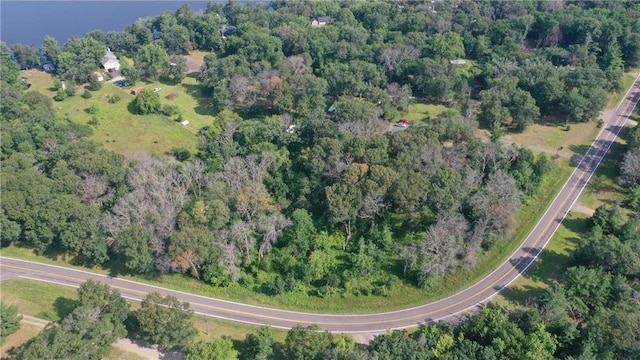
column 109, row 58
column 136, row 91
column 323, row 19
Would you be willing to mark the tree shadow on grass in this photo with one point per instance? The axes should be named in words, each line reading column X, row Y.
column 131, row 107
column 579, row 149
column 165, row 80
column 548, row 270
column 62, row 306
column 204, row 107
column 524, row 295
column 578, row 225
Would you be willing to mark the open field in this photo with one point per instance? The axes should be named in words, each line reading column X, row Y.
column 419, row 112
column 42, row 300
column 121, row 130
column 553, row 137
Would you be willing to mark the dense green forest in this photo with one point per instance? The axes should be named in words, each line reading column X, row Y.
column 285, row 196
column 336, row 205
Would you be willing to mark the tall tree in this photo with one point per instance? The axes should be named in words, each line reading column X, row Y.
column 165, row 321
column 10, row 320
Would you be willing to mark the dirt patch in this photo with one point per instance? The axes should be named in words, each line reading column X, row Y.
column 193, row 64
column 583, row 209
column 171, row 96
column 139, row 347
column 147, row 351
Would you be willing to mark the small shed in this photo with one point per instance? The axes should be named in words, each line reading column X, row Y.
column 136, row 91
column 98, row 76
column 185, row 123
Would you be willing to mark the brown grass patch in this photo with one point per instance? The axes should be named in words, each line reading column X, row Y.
column 171, row 96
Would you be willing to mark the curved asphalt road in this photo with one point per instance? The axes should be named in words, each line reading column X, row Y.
column 447, row 308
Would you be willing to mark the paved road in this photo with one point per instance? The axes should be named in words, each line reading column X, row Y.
column 447, row 308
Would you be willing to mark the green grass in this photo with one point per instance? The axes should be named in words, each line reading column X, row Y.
column 39, row 299
column 553, row 137
column 210, row 328
column 122, row 131
column 418, row 112
column 548, row 269
column 615, row 98
column 603, row 186
column 119, row 354
column 404, row 294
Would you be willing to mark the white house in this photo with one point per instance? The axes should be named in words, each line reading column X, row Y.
column 110, row 61
column 320, row 21
column 458, row 62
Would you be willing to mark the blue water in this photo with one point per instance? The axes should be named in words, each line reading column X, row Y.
column 27, row 22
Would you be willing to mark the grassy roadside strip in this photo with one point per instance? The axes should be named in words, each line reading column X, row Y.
column 552, row 263
column 615, row 98
column 404, row 295
column 54, row 302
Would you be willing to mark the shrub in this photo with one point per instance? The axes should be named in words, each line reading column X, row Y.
column 87, row 94
column 94, row 83
column 114, row 99
column 60, row 95
column 70, row 89
column 169, row 109
column 147, row 102
column 180, row 153
column 93, row 109
column 94, row 121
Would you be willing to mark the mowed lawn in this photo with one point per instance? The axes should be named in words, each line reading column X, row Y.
column 419, row 112
column 123, row 131
column 552, row 138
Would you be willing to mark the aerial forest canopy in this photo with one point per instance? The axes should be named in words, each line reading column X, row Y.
column 286, row 196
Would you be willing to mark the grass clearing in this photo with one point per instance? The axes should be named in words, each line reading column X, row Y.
column 199, row 55
column 418, row 112
column 39, row 299
column 603, row 188
column 574, row 141
column 211, row 328
column 119, row 129
column 119, row 354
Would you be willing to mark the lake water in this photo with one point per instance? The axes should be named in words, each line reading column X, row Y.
column 28, row 22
